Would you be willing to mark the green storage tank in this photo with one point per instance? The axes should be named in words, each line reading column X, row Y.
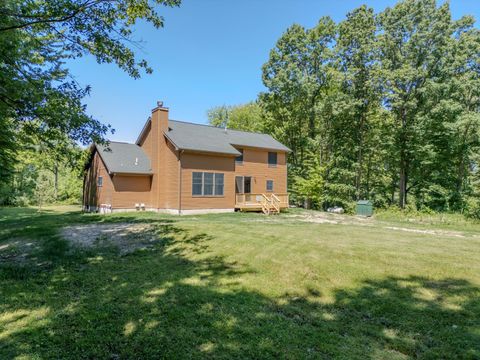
column 364, row 208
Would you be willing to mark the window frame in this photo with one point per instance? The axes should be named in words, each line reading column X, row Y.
column 266, row 185
column 213, row 184
column 208, row 184
column 194, row 182
column 222, row 185
column 271, row 164
column 99, row 181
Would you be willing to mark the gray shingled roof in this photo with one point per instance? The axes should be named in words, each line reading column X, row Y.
column 197, row 137
column 125, row 158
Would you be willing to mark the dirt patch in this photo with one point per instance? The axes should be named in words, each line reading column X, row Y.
column 429, row 232
column 329, row 218
column 127, row 237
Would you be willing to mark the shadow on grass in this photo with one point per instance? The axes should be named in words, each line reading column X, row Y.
column 180, row 301
column 37, row 240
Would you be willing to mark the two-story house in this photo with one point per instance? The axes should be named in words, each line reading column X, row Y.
column 183, row 168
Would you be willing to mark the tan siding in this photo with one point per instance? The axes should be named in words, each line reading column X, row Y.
column 94, row 195
column 170, row 172
column 198, row 162
column 131, row 190
column 255, row 164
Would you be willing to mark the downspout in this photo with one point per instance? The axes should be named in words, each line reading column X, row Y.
column 180, row 182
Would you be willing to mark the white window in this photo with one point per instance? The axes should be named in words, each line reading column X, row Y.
column 100, row 181
column 207, row 184
column 270, row 185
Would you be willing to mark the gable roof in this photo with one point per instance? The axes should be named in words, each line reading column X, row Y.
column 125, row 158
column 198, row 137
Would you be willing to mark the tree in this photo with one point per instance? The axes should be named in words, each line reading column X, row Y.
column 414, row 43
column 298, row 76
column 37, row 94
column 247, row 117
column 310, row 188
column 356, row 53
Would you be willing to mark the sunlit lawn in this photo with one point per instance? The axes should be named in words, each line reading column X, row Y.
column 240, row 286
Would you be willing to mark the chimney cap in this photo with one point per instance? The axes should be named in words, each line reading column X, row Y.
column 160, row 103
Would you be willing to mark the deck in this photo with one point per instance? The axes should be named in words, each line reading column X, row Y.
column 268, row 203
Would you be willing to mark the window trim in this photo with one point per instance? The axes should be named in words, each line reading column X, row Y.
column 266, row 186
column 99, row 181
column 214, row 184
column 276, row 159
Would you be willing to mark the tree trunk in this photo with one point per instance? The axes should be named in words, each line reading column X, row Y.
column 307, row 204
column 360, row 156
column 392, row 199
column 403, row 187
column 403, row 163
column 55, row 174
column 368, row 175
column 460, row 175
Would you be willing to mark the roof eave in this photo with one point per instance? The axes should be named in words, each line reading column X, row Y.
column 142, row 133
column 212, row 152
column 140, row 173
column 263, row 148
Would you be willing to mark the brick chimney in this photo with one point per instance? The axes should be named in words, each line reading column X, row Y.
column 159, row 126
column 160, row 117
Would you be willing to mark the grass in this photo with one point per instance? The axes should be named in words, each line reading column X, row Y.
column 241, row 286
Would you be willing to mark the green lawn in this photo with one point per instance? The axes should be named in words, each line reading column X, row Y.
column 241, row 286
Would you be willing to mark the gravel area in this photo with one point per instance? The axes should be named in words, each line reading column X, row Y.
column 127, row 237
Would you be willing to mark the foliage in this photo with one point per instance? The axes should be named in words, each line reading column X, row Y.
column 38, row 96
column 309, row 188
column 389, row 104
column 472, row 209
column 247, row 117
column 42, row 176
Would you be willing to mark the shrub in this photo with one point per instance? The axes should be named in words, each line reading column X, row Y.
column 472, row 208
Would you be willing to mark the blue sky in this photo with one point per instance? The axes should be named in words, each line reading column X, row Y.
column 209, row 53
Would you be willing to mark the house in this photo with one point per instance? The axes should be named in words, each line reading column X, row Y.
column 185, row 168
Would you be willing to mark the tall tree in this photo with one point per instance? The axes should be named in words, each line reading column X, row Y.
column 297, row 76
column 413, row 42
column 356, row 52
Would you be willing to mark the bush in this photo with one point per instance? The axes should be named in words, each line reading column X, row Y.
column 472, row 208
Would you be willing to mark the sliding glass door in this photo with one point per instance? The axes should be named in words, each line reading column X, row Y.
column 243, row 184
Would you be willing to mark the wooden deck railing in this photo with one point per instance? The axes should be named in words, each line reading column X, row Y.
column 256, row 200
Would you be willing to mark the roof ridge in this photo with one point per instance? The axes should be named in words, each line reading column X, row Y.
column 119, row 142
column 217, row 127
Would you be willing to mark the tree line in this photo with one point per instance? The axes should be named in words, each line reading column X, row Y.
column 381, row 106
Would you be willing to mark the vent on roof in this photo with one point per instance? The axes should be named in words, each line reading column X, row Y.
column 136, row 161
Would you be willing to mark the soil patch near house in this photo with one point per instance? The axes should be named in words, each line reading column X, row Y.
column 127, row 237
